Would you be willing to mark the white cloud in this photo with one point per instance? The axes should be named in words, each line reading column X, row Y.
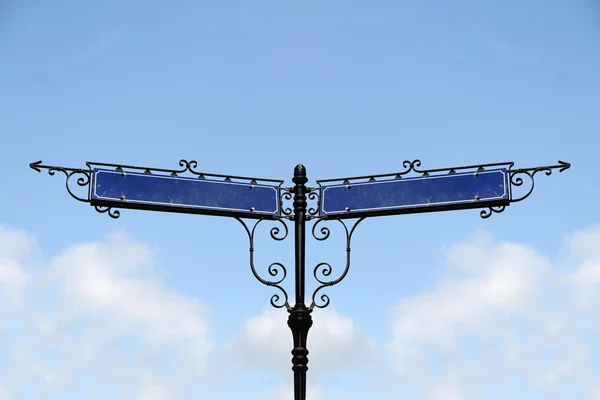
column 483, row 281
column 502, row 319
column 334, row 342
column 312, row 392
column 584, row 253
column 97, row 312
column 446, row 388
column 153, row 388
column 95, row 317
column 14, row 246
column 104, row 279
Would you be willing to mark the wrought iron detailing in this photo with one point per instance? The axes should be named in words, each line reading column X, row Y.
column 513, row 178
column 82, row 185
column 321, row 272
column 312, row 194
column 275, row 268
column 109, row 187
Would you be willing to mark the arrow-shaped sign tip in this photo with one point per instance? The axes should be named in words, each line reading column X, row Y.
column 564, row 166
column 34, row 165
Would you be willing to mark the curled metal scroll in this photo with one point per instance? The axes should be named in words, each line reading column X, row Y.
column 275, row 268
column 108, row 210
column 323, row 270
column 83, row 177
column 286, row 195
column 411, row 166
column 516, row 179
column 517, row 175
column 486, row 213
column 314, row 195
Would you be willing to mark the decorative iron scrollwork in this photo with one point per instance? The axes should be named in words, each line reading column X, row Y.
column 413, row 166
column 516, row 180
column 83, row 177
column 186, row 167
column 314, row 194
column 491, row 210
column 108, row 210
column 516, row 177
column 275, row 268
column 323, row 270
column 300, row 319
column 286, row 195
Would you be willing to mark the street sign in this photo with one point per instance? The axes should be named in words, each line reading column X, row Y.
column 171, row 193
column 482, row 186
column 450, row 191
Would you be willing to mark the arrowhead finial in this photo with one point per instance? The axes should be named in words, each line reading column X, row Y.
column 34, row 165
column 564, row 166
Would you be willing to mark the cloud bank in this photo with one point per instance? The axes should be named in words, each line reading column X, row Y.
column 504, row 321
column 501, row 321
column 94, row 322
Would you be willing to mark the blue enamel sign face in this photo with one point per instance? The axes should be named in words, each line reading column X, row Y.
column 420, row 194
column 185, row 195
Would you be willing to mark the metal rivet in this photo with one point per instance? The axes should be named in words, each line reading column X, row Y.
column 347, row 186
column 477, row 197
column 251, row 187
column 252, row 209
column 122, row 197
column 347, row 209
column 123, row 174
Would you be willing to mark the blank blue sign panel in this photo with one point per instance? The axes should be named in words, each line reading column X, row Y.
column 187, row 195
column 449, row 191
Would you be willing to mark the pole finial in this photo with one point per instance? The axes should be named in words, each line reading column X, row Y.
column 300, row 171
column 300, row 175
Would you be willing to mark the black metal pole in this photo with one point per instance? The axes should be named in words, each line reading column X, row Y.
column 300, row 319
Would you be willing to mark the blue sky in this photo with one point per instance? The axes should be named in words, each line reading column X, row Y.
column 163, row 306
